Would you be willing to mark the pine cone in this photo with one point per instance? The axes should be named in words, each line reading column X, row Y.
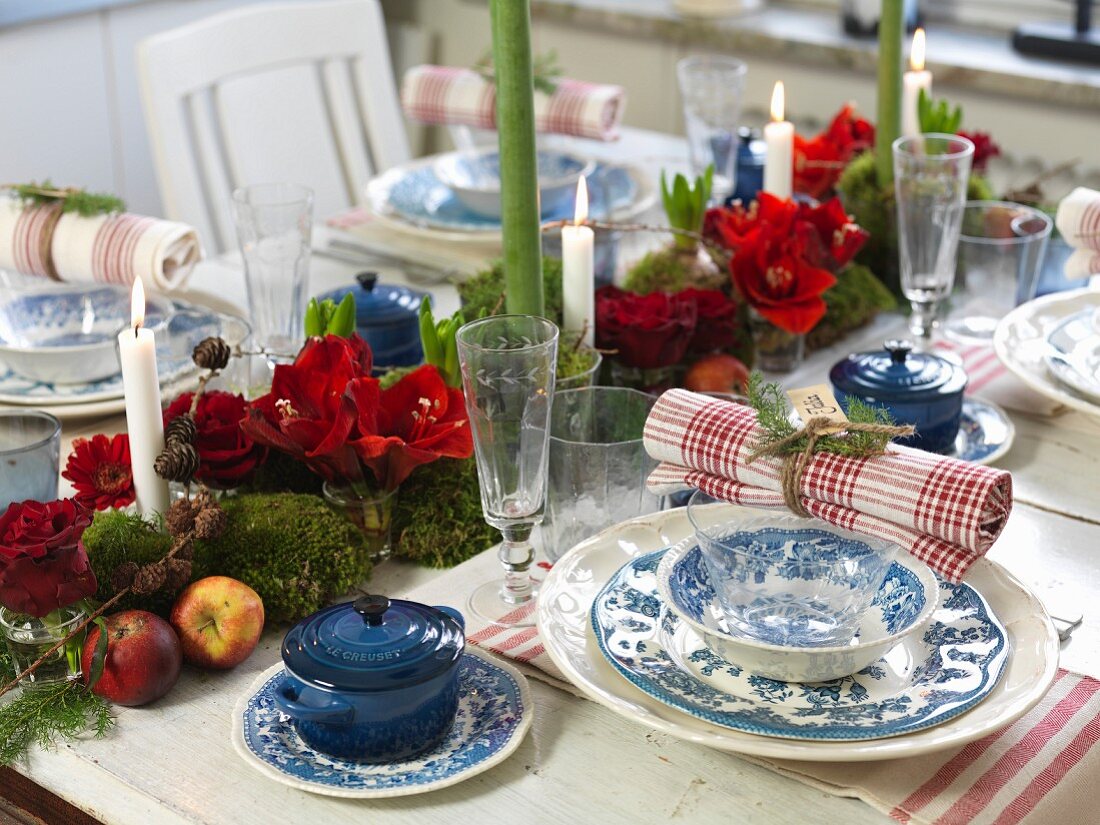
column 123, row 576
column 210, row 523
column 150, row 578
column 181, row 429
column 180, row 518
column 203, row 500
column 178, row 574
column 211, row 354
column 177, row 462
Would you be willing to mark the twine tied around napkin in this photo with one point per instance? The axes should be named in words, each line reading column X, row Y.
column 796, row 461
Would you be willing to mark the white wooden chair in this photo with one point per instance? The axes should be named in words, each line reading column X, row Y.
column 300, row 92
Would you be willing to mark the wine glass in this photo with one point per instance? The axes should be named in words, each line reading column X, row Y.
column 931, row 173
column 508, row 364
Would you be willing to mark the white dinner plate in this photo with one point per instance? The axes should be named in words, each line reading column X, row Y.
column 571, row 586
column 1020, row 341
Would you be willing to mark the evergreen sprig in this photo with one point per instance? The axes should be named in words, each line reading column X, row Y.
column 47, row 715
column 774, row 418
column 82, row 202
column 545, row 68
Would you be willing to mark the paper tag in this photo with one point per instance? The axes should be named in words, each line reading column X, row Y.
column 818, row 401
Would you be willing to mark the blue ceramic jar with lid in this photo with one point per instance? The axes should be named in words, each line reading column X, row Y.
column 918, row 388
column 374, row 680
column 387, row 316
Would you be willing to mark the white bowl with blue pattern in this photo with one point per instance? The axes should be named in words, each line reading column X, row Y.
column 903, row 605
column 69, row 334
column 474, row 178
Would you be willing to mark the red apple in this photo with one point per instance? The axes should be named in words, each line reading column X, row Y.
column 143, row 658
column 219, row 621
column 719, row 372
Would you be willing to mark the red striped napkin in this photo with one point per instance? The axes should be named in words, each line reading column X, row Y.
column 992, row 381
column 452, row 96
column 946, row 512
column 1040, row 769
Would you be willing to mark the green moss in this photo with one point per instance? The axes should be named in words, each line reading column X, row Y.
column 438, row 520
column 294, row 551
column 483, row 294
column 856, row 298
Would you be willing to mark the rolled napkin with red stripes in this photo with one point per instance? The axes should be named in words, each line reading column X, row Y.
column 1078, row 218
column 452, row 96
column 946, row 512
column 112, row 248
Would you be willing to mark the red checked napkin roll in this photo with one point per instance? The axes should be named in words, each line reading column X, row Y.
column 946, row 512
column 452, row 96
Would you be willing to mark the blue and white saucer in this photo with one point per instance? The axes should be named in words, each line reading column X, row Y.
column 926, row 679
column 494, row 713
column 985, row 434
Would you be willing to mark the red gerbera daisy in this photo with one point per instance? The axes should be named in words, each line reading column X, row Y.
column 100, row 472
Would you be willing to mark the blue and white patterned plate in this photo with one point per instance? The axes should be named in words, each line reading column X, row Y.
column 416, row 195
column 176, row 337
column 494, row 714
column 985, row 434
column 923, row 681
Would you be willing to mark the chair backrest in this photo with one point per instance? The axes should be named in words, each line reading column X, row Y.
column 300, row 92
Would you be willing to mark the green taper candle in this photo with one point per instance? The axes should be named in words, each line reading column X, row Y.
column 519, row 192
column 891, row 27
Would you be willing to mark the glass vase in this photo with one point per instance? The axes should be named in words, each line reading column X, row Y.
column 370, row 510
column 28, row 638
column 777, row 350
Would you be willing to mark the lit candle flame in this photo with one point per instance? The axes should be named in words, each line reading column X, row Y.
column 916, row 54
column 137, row 305
column 580, row 213
column 778, row 101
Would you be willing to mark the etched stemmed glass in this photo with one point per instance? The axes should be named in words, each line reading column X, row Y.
column 508, row 364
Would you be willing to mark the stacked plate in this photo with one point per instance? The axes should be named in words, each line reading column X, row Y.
column 58, row 345
column 1053, row 345
column 626, row 616
column 439, row 197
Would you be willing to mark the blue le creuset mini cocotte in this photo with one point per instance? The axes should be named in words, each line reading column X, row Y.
column 918, row 388
column 387, row 316
column 373, row 680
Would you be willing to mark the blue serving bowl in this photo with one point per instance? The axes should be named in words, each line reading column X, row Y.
column 474, row 177
column 387, row 318
column 373, row 680
column 69, row 334
column 917, row 388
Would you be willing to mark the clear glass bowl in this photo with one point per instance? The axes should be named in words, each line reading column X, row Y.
column 787, row 580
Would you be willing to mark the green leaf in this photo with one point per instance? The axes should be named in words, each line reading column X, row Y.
column 429, row 337
column 342, row 322
column 313, row 328
column 99, row 656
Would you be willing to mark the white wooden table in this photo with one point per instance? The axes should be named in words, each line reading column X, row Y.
column 173, row 762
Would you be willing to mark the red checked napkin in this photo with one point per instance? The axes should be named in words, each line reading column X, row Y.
column 946, row 512
column 452, row 96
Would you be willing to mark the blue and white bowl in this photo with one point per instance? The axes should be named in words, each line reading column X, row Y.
column 474, row 177
column 787, row 580
column 904, row 603
column 68, row 334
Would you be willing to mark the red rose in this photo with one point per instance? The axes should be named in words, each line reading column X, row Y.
column 820, row 160
column 43, row 566
column 649, row 331
column 305, row 415
column 716, row 325
column 985, row 149
column 227, row 456
column 414, row 422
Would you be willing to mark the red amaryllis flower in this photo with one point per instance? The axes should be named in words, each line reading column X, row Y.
column 414, row 422
column 716, row 325
column 985, row 149
column 840, row 236
column 99, row 470
column 43, row 565
column 819, row 161
column 305, row 416
column 649, row 331
column 227, row 456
